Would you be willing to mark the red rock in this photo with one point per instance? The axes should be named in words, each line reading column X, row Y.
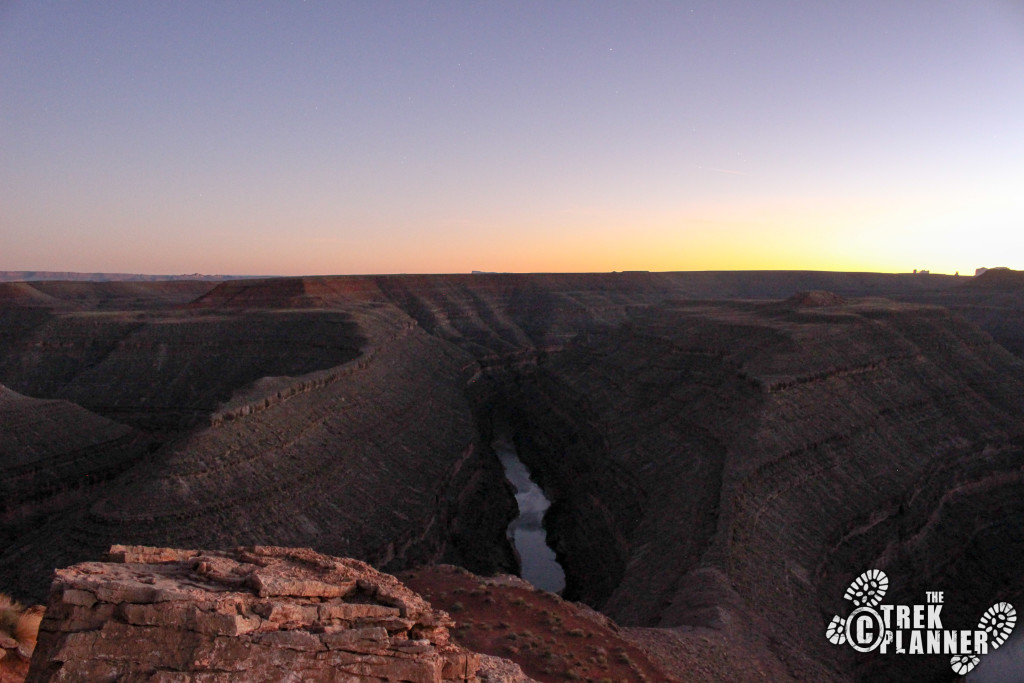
column 170, row 615
column 368, row 640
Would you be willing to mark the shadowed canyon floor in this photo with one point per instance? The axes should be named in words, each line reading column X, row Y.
column 719, row 470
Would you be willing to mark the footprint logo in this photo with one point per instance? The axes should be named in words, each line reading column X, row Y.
column 867, row 590
column 836, row 631
column 998, row 622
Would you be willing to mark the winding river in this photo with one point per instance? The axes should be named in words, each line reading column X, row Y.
column 538, row 563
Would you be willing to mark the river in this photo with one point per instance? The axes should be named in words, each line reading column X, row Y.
column 538, row 563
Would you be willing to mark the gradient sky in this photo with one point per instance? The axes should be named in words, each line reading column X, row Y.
column 370, row 137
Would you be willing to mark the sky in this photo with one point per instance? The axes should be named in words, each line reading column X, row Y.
column 294, row 138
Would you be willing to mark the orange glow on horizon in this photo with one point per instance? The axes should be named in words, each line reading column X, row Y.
column 838, row 234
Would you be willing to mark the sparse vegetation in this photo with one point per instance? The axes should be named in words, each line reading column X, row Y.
column 9, row 612
column 19, row 622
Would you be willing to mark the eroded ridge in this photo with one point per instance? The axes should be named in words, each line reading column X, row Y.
column 257, row 614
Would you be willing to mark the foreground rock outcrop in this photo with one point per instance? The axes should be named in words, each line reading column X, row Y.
column 254, row 614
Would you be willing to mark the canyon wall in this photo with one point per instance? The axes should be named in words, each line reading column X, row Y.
column 741, row 463
column 713, row 465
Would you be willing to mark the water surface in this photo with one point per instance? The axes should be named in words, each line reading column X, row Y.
column 539, row 565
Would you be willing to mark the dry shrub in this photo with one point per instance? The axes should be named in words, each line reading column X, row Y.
column 27, row 628
column 10, row 610
column 20, row 623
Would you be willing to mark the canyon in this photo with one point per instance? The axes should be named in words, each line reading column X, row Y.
column 722, row 454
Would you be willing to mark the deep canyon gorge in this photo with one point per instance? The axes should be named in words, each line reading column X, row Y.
column 723, row 452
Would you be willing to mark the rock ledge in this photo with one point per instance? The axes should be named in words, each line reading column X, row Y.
column 257, row 613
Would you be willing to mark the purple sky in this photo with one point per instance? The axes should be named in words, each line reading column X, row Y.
column 323, row 137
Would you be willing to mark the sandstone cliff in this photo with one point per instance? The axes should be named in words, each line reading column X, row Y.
column 254, row 614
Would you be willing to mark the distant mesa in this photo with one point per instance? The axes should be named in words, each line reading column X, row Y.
column 997, row 278
column 815, row 299
column 52, row 275
column 983, row 270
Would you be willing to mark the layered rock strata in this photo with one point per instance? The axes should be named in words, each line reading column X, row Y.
column 255, row 614
column 725, row 466
column 374, row 457
column 733, row 466
column 48, row 447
